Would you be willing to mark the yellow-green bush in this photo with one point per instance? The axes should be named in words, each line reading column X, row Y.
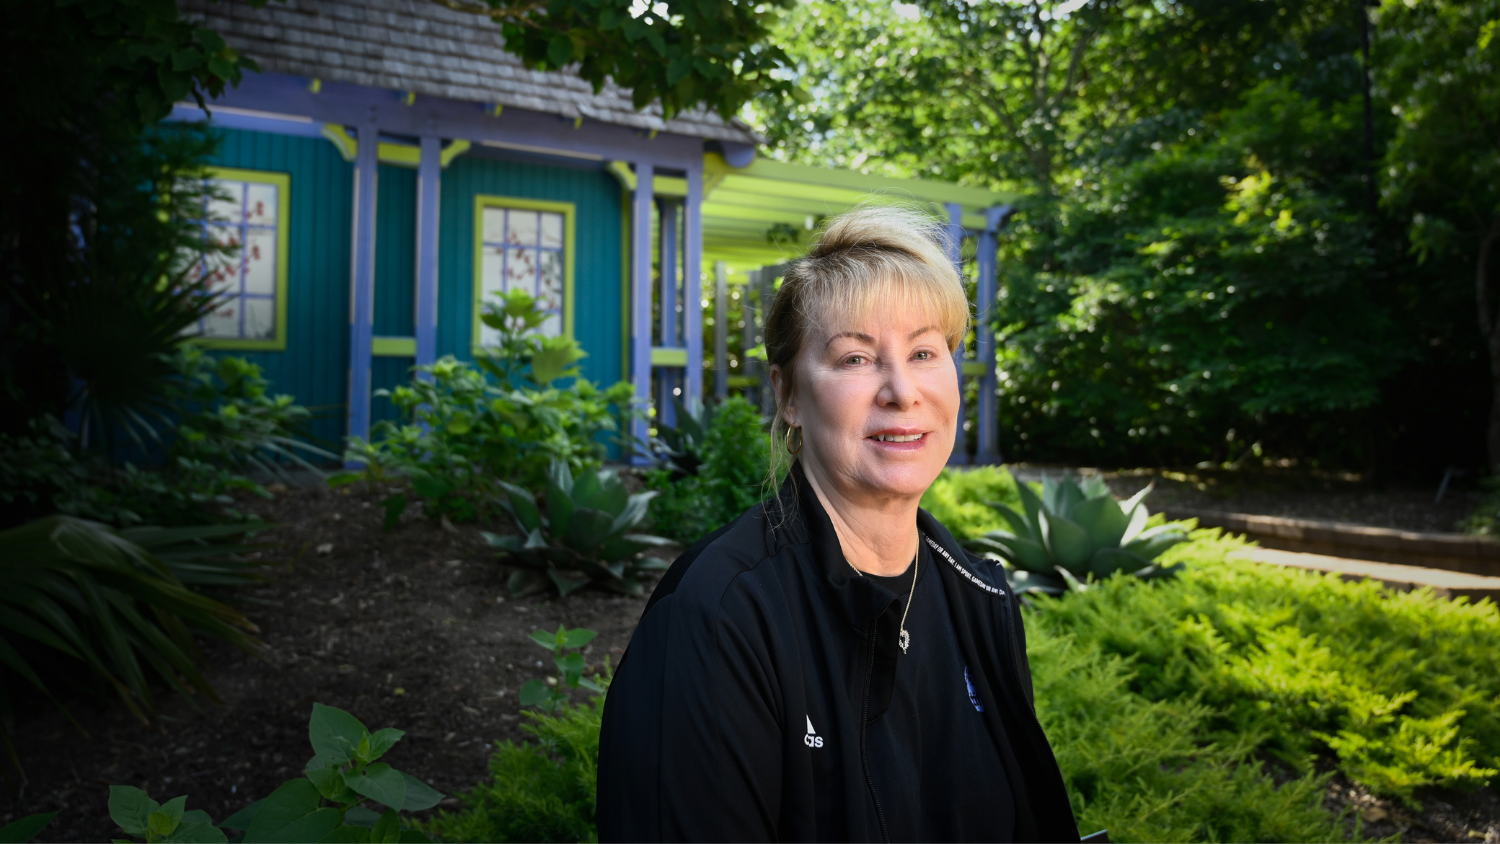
column 1400, row 688
column 959, row 499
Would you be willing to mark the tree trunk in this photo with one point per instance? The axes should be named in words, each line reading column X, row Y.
column 1489, row 326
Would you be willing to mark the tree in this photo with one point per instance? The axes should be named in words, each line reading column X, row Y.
column 684, row 53
column 1440, row 64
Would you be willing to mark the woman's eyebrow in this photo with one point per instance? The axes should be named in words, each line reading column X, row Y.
column 861, row 336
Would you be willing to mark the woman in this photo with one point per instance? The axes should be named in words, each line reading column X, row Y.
column 832, row 666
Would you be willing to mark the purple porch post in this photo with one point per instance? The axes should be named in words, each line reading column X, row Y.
column 692, row 286
column 361, row 295
column 955, row 244
column 666, row 378
column 988, row 452
column 429, row 180
column 640, row 287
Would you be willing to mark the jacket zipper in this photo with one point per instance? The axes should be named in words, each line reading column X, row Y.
column 864, row 753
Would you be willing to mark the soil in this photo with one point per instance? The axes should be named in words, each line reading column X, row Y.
column 412, row 629
column 1331, row 497
column 408, row 629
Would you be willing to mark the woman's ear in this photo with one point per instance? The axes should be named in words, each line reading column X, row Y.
column 786, row 398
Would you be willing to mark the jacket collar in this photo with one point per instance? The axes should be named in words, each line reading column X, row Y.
column 803, row 521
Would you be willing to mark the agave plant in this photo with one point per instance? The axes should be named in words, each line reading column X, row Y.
column 1075, row 533
column 583, row 536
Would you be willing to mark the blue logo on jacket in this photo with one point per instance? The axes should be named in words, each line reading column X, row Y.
column 973, row 692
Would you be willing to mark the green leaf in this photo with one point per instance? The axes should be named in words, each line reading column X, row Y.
column 197, row 816
column 382, row 741
column 388, row 829
column 1020, row 551
column 1018, row 523
column 568, row 581
column 1033, row 507
column 1138, row 515
column 559, row 508
column 335, row 733
column 339, row 479
column 347, row 834
column 25, row 829
column 360, row 816
column 414, row 836
column 589, row 530
column 129, row 807
column 550, row 641
column 1153, row 542
column 1107, row 561
column 522, row 506
column 292, row 813
column 1065, row 541
column 534, row 692
column 328, row 778
column 1102, row 519
column 244, row 817
column 578, row 637
column 586, row 489
column 166, row 819
column 419, row 795
column 394, row 506
column 525, row 582
column 559, row 51
column 196, row 833
column 381, row 783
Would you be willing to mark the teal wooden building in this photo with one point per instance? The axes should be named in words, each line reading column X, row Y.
column 391, row 167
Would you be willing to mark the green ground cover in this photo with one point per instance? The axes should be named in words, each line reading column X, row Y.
column 1190, row 709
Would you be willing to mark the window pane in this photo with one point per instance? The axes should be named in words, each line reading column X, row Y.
column 224, row 322
column 228, row 205
column 523, row 228
column 520, row 269
column 551, row 288
column 491, row 281
column 260, row 319
column 494, row 225
column 260, row 204
column 552, row 231
column 260, row 262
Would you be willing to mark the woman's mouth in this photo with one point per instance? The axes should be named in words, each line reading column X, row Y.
column 898, row 438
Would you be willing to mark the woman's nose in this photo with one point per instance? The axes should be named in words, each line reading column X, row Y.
column 899, row 388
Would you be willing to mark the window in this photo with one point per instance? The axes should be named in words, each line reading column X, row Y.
column 527, row 244
column 250, row 211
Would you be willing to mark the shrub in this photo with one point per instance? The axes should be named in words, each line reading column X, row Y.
column 1074, row 534
column 326, row 805
column 1485, row 520
column 584, row 536
column 1400, row 689
column 730, row 461
column 542, row 791
column 959, row 499
column 76, row 595
column 505, row 417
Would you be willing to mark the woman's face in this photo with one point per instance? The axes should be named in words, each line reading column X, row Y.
column 877, row 403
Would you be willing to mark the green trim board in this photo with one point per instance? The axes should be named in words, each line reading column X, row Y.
column 393, row 347
column 669, row 356
column 283, row 184
column 568, row 211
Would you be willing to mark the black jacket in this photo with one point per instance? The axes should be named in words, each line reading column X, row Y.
column 762, row 628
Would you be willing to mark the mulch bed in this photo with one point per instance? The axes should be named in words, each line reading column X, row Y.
column 409, row 629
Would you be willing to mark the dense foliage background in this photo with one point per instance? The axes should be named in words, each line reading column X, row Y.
column 1220, row 254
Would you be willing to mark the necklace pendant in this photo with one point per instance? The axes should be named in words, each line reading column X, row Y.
column 904, row 640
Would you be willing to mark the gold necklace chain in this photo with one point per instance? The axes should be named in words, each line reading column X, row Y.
column 903, row 638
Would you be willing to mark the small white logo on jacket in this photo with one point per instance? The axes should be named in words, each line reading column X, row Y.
column 812, row 739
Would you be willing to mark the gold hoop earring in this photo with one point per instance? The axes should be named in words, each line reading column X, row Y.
column 789, row 449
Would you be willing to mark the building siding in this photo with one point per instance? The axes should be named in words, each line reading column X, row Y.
column 315, row 365
column 596, row 277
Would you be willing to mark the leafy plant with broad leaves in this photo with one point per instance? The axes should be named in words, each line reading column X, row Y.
column 583, row 535
column 326, row 805
column 1075, row 533
column 467, row 426
column 572, row 671
column 24, row 829
column 727, row 448
column 112, row 609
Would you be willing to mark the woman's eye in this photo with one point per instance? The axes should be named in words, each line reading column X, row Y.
column 854, row 360
column 923, row 355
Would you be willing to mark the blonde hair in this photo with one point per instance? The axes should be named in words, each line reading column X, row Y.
column 870, row 257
